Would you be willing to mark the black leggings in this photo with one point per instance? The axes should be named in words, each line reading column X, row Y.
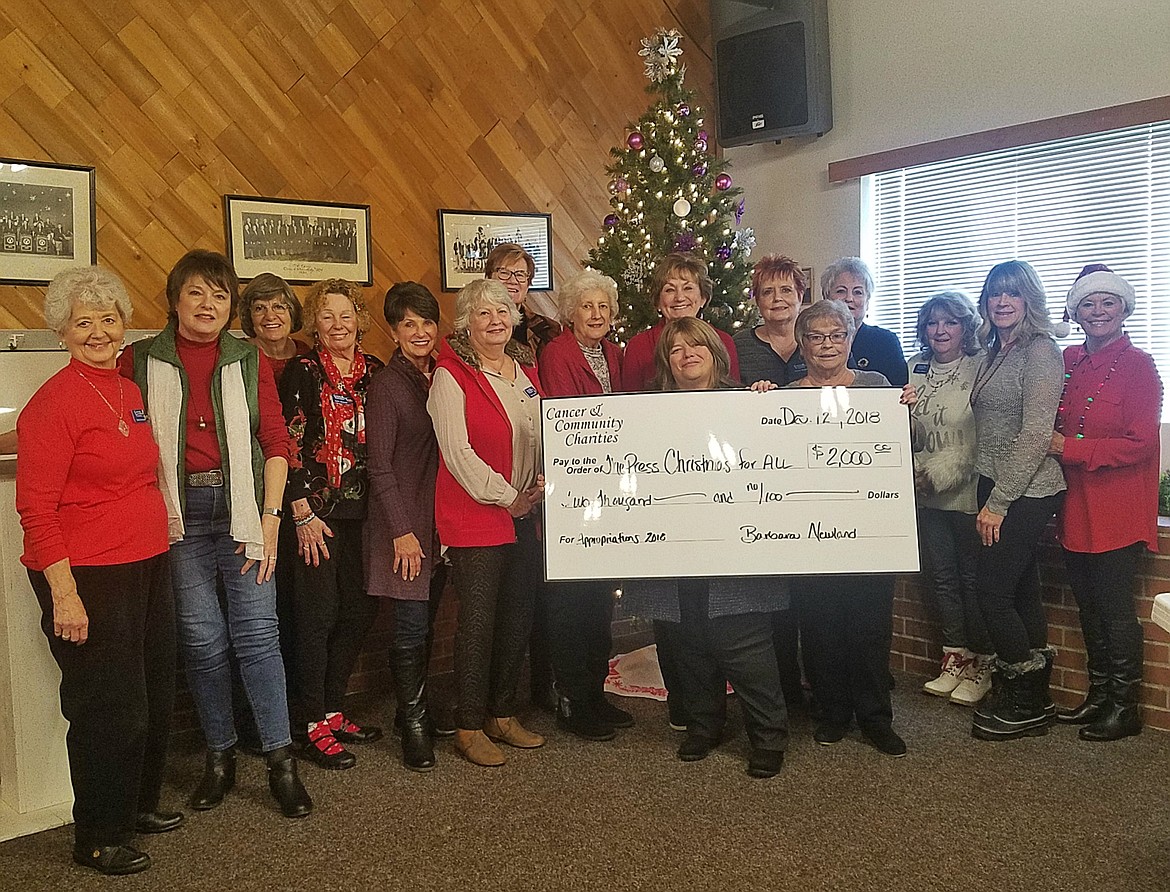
column 117, row 691
column 1008, row 581
column 333, row 615
column 495, row 617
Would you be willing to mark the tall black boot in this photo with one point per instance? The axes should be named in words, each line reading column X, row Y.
column 1097, row 652
column 285, row 785
column 1019, row 705
column 409, row 666
column 1120, row 716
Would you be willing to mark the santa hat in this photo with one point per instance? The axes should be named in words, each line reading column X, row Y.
column 1096, row 278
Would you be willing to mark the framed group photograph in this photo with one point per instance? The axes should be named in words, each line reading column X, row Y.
column 467, row 237
column 300, row 241
column 47, row 220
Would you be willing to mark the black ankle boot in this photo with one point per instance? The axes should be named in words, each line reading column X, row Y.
column 219, row 776
column 284, row 784
column 409, row 667
column 579, row 718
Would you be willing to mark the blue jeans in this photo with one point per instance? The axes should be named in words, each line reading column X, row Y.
column 206, row 634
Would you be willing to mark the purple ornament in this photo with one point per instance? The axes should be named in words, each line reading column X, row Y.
column 723, row 182
column 739, row 211
column 611, row 220
column 683, row 109
column 724, row 252
column 622, row 184
column 700, row 145
column 684, row 241
column 702, row 135
column 700, row 169
column 635, row 141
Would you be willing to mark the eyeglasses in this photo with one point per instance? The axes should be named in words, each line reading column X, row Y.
column 518, row 276
column 836, row 337
column 259, row 309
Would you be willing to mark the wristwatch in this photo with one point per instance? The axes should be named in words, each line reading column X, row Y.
column 275, row 512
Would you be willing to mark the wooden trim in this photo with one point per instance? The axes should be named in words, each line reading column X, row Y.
column 1131, row 114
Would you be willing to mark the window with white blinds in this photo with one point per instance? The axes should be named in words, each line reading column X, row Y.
column 1059, row 205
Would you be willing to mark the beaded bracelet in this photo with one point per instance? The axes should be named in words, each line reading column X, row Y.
column 304, row 521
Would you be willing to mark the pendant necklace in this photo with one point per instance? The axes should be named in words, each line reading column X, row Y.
column 123, row 427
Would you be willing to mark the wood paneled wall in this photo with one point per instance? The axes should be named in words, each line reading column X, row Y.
column 405, row 106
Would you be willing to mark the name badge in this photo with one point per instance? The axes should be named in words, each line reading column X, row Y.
column 922, row 368
column 340, row 399
column 530, row 392
column 138, row 415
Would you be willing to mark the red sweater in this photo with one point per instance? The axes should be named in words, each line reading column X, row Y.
column 564, row 370
column 85, row 492
column 460, row 520
column 1112, row 473
column 638, row 366
column 199, row 361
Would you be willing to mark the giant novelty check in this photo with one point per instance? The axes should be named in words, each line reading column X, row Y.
column 728, row 483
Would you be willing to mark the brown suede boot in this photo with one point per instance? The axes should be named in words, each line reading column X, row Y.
column 477, row 749
column 510, row 731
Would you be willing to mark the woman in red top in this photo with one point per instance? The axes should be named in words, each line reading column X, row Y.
column 582, row 362
column 95, row 545
column 485, row 405
column 1107, row 440
column 270, row 315
column 679, row 286
column 223, row 464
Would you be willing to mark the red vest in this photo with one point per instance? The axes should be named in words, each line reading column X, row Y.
column 460, row 520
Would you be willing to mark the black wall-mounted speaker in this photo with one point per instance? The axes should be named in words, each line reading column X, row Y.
column 771, row 70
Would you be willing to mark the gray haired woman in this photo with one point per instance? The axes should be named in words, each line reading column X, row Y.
column 846, row 621
column 581, row 361
column 945, row 480
column 874, row 349
column 95, row 546
column 485, row 405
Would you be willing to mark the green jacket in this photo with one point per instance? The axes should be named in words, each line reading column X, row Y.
column 231, row 349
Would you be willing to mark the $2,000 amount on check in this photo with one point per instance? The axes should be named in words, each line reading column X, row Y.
column 728, row 483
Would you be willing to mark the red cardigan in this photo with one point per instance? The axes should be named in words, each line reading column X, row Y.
column 638, row 366
column 1112, row 473
column 564, row 370
column 461, row 521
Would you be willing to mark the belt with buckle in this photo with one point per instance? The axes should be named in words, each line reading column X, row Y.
column 206, row 478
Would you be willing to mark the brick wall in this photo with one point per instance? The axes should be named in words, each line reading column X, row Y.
column 917, row 646
column 918, row 641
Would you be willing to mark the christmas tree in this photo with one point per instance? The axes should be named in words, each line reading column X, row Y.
column 670, row 193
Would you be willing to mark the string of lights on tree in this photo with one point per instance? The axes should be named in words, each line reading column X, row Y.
column 671, row 194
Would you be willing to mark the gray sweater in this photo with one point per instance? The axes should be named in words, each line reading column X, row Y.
column 1014, row 399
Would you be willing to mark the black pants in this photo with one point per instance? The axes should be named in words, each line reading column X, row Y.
column 738, row 649
column 786, row 641
column 495, row 618
column 846, row 627
column 1103, row 587
column 117, row 691
column 1008, row 583
column 333, row 615
column 286, row 582
column 580, row 636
